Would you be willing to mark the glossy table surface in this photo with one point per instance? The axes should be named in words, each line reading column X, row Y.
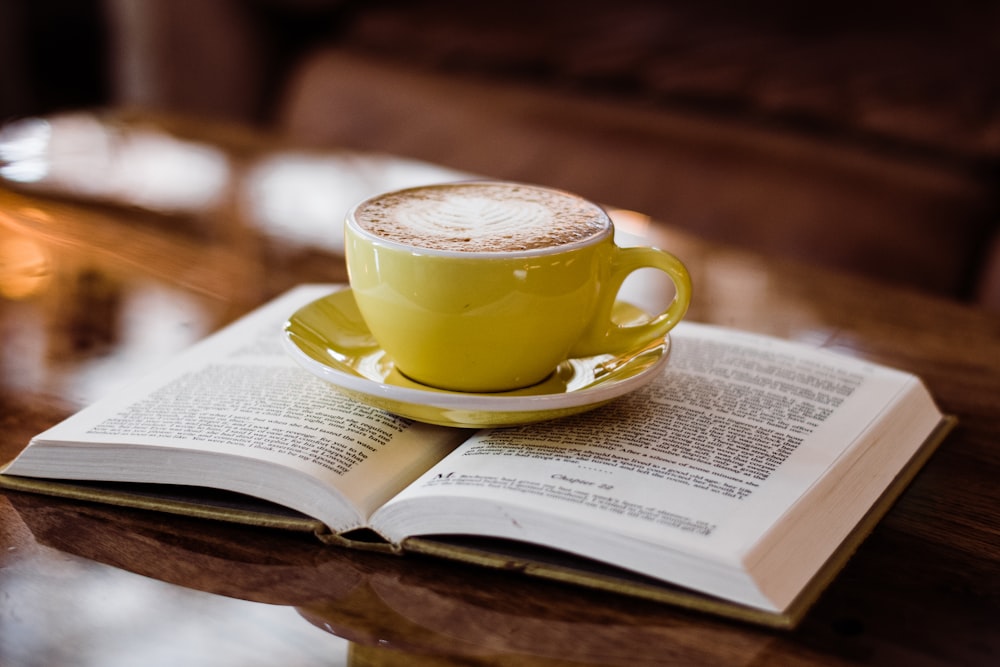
column 122, row 240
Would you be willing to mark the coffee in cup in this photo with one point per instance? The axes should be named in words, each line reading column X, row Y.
column 486, row 286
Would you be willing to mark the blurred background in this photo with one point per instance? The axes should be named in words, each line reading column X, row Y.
column 864, row 136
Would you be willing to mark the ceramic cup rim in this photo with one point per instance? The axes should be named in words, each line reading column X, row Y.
column 606, row 231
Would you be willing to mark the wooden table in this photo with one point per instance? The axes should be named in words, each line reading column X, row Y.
column 103, row 274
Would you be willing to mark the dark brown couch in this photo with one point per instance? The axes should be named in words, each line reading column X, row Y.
column 863, row 136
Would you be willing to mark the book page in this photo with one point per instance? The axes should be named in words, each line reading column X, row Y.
column 238, row 395
column 706, row 458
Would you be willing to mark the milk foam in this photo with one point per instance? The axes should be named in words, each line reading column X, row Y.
column 478, row 217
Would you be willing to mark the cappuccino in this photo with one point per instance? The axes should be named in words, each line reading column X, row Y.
column 481, row 217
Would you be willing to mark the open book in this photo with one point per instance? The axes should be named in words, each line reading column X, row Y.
column 737, row 482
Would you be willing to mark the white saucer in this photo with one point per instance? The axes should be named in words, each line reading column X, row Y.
column 329, row 338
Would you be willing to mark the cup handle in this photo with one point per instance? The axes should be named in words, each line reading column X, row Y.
column 604, row 335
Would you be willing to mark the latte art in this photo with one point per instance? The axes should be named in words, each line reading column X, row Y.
column 475, row 218
column 481, row 217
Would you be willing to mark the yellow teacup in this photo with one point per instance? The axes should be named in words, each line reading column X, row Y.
column 487, row 286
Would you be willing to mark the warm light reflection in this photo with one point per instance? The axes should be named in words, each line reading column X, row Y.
column 78, row 154
column 25, row 267
column 629, row 224
column 36, row 214
column 304, row 197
